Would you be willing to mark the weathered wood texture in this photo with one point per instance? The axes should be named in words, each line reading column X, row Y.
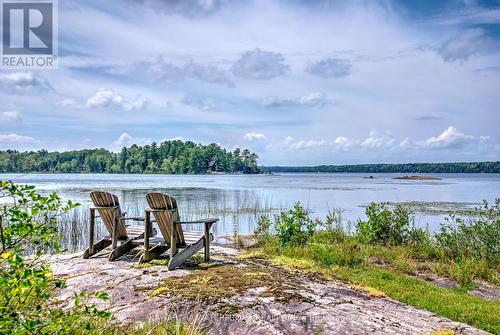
column 109, row 211
column 154, row 252
column 182, row 256
column 114, row 219
column 97, row 247
column 166, row 213
column 123, row 248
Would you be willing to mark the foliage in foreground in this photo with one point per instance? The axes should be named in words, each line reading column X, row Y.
column 167, row 327
column 28, row 224
column 386, row 253
column 28, row 236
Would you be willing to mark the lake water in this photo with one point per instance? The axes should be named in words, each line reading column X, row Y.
column 240, row 200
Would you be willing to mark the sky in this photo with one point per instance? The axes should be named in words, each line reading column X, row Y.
column 298, row 82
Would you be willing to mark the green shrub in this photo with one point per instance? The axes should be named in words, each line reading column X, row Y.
column 295, row 227
column 263, row 229
column 28, row 225
column 476, row 237
column 346, row 254
column 329, row 236
column 421, row 244
column 385, row 225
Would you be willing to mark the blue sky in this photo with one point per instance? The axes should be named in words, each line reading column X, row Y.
column 298, row 82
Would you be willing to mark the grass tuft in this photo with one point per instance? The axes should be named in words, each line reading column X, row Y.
column 372, row 292
column 443, row 332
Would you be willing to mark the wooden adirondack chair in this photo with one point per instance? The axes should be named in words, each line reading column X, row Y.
column 108, row 207
column 166, row 214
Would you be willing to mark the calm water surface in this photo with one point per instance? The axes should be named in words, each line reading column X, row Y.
column 239, row 200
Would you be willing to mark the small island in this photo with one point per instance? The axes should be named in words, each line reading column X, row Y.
column 417, row 178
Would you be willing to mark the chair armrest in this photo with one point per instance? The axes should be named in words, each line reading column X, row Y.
column 135, row 218
column 101, row 207
column 197, row 221
column 152, row 210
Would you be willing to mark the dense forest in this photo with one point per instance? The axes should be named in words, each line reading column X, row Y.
column 175, row 157
column 479, row 167
column 179, row 157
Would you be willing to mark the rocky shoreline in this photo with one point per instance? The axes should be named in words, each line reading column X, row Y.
column 238, row 295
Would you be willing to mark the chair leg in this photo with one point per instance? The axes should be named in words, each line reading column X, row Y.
column 91, row 231
column 114, row 236
column 173, row 240
column 147, row 229
column 207, row 241
column 122, row 249
column 182, row 256
column 153, row 253
column 101, row 245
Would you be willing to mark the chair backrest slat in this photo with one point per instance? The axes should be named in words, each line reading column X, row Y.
column 164, row 219
column 105, row 199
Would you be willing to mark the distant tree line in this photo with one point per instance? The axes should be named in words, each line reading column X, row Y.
column 473, row 167
column 176, row 157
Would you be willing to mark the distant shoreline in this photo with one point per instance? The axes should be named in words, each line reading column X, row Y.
column 408, row 168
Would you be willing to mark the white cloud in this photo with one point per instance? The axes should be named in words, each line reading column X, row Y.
column 345, row 143
column 14, row 141
column 383, row 147
column 106, row 98
column 390, row 81
column 259, row 64
column 376, row 140
column 162, row 70
column 313, row 99
column 484, row 139
column 252, row 136
column 199, row 102
column 472, row 15
column 288, row 140
column 450, row 138
column 464, row 45
column 10, row 116
column 69, row 103
column 330, row 68
column 189, row 8
column 125, row 140
column 341, row 143
column 310, row 144
column 24, row 83
column 406, row 143
column 208, row 73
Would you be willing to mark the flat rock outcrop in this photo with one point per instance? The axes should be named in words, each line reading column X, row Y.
column 237, row 296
